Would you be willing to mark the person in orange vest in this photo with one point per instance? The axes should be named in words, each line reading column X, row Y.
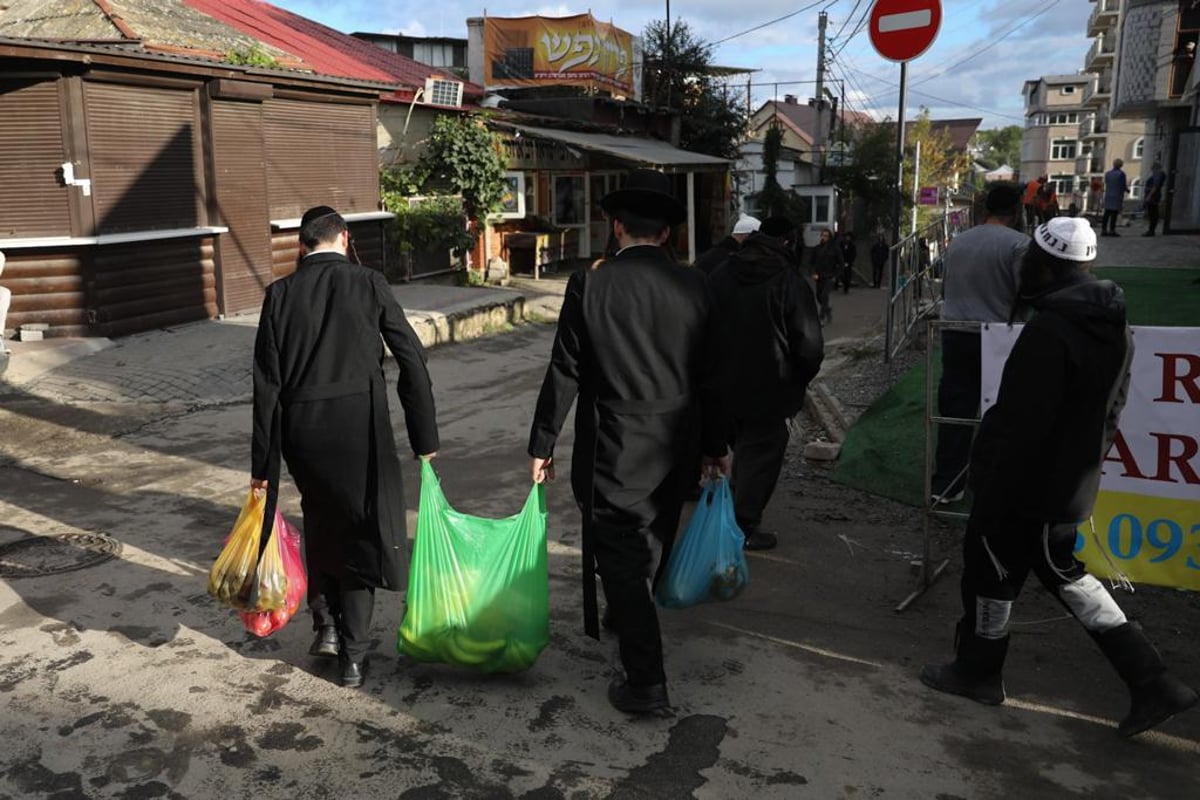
column 1046, row 203
column 1029, row 201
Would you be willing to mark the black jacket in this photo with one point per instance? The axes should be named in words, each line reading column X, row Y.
column 320, row 401
column 715, row 256
column 769, row 343
column 633, row 344
column 827, row 261
column 1039, row 450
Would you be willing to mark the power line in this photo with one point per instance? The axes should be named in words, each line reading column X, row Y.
column 944, row 100
column 767, row 24
column 849, row 17
column 989, row 45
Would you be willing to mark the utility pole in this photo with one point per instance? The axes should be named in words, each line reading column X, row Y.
column 818, row 137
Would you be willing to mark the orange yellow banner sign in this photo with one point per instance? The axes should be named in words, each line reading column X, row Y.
column 571, row 51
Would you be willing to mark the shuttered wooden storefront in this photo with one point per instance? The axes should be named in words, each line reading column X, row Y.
column 239, row 163
column 320, row 154
column 33, row 199
column 146, row 161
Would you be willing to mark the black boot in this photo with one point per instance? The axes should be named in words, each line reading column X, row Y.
column 975, row 672
column 1155, row 696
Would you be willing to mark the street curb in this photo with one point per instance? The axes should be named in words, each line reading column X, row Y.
column 466, row 321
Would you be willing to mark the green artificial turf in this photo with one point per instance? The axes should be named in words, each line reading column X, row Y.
column 884, row 451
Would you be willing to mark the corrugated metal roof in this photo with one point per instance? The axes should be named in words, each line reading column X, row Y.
column 215, row 29
column 635, row 149
column 328, row 51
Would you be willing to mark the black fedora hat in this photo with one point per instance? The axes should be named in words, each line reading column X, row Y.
column 647, row 193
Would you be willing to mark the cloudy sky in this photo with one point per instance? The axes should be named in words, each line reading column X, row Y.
column 984, row 51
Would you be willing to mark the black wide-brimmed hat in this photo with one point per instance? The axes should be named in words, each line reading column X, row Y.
column 647, row 193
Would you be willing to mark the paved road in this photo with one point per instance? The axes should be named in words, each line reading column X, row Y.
column 124, row 679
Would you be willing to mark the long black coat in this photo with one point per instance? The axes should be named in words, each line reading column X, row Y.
column 634, row 343
column 321, row 401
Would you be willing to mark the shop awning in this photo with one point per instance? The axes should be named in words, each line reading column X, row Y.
column 637, row 150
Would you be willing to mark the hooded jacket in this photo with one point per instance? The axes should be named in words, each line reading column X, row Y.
column 769, row 345
column 1039, row 450
column 715, row 256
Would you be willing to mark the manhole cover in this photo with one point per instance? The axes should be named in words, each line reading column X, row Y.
column 52, row 555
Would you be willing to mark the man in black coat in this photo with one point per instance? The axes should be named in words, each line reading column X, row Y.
column 849, row 253
column 1035, row 473
column 723, row 249
column 320, row 401
column 770, row 347
column 633, row 343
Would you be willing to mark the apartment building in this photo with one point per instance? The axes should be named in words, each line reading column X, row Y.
column 1050, row 143
column 1156, row 80
column 1104, row 136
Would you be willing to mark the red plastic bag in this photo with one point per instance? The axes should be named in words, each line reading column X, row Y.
column 264, row 623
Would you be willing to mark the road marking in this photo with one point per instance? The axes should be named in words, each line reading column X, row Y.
column 1173, row 742
column 906, row 21
column 820, row 651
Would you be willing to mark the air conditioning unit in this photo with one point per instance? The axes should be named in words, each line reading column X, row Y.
column 443, row 92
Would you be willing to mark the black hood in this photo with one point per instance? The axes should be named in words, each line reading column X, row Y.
column 1081, row 297
column 761, row 258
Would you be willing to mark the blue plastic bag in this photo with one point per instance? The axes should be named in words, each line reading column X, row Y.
column 708, row 563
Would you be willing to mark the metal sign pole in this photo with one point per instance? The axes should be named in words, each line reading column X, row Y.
column 897, row 207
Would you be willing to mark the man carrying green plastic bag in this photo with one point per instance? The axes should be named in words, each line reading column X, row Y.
column 635, row 345
column 478, row 589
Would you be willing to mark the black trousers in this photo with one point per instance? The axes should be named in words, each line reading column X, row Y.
column 335, row 597
column 630, row 557
column 758, row 450
column 1108, row 224
column 877, row 273
column 958, row 396
column 824, row 286
column 1152, row 216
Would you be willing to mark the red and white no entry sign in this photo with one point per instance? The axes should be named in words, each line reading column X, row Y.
column 903, row 29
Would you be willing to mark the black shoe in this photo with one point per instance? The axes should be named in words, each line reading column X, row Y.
column 1155, row 703
column 638, row 699
column 760, row 540
column 947, row 678
column 352, row 673
column 325, row 644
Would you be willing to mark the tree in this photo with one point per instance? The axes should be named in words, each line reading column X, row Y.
column 869, row 173
column 940, row 164
column 999, row 146
column 677, row 76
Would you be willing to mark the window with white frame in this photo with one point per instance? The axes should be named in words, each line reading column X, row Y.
column 1139, row 147
column 1064, row 118
column 1067, row 89
column 1062, row 184
column 1062, row 149
column 1135, row 189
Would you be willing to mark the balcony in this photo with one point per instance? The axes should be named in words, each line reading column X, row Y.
column 1098, row 91
column 1103, row 16
column 1100, row 54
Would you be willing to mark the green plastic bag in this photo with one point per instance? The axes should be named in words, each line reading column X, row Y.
column 478, row 589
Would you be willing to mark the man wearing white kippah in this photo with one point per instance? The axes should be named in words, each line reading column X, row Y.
column 1035, row 473
column 715, row 257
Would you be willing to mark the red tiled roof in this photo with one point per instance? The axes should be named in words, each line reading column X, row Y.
column 325, row 50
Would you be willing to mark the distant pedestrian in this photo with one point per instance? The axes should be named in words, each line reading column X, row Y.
column 1035, row 474
column 1046, row 203
column 849, row 253
column 634, row 346
column 1152, row 196
column 880, row 253
column 1029, row 201
column 320, row 400
column 827, row 263
column 769, row 347
column 716, row 255
column 1115, row 188
column 982, row 276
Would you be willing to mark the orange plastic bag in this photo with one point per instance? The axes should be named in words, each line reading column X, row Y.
column 285, row 542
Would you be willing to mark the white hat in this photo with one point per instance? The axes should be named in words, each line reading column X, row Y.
column 745, row 224
column 1069, row 238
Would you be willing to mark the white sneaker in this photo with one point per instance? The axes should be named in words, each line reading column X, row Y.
column 944, row 499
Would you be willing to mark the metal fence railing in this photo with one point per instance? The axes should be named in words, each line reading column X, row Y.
column 916, row 270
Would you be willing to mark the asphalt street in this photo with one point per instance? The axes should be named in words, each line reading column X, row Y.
column 125, row 679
